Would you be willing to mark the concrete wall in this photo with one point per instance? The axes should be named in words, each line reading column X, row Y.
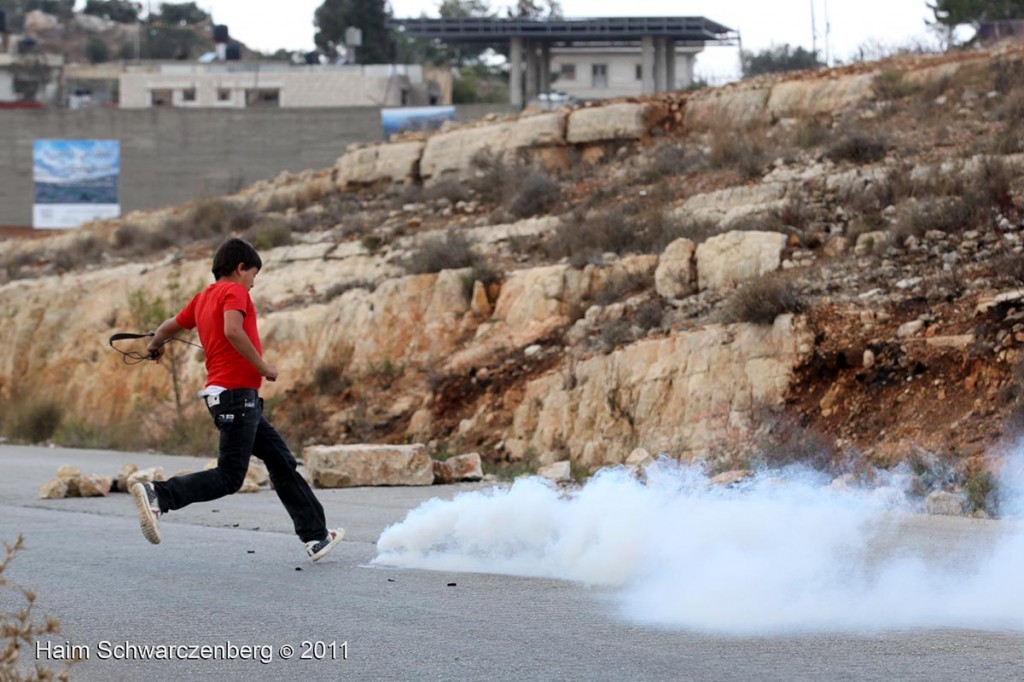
column 169, row 156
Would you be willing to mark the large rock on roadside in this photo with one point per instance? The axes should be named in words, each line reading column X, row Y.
column 943, row 503
column 459, row 468
column 727, row 260
column 613, row 122
column 345, row 466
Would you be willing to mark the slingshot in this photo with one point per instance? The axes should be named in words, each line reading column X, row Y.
column 132, row 357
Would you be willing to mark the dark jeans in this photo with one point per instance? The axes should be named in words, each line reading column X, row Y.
column 244, row 431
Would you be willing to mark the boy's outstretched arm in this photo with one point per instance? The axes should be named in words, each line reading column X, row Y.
column 240, row 341
column 162, row 335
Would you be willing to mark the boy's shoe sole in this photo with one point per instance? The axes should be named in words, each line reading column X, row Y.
column 147, row 520
column 339, row 533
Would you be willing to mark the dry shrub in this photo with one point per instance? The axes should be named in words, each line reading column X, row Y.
column 538, row 193
column 784, row 439
column 268, row 234
column 890, row 85
column 213, row 218
column 811, row 132
column 450, row 252
column 649, row 315
column 19, row 631
column 87, row 249
column 449, row 190
column 744, row 151
column 667, row 161
column 763, row 299
column 516, row 185
column 30, row 418
column 637, row 227
column 857, row 147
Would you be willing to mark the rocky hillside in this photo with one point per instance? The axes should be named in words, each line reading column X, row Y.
column 824, row 267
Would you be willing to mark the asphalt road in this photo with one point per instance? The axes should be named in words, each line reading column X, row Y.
column 227, row 575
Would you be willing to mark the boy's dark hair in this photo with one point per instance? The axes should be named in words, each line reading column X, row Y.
column 231, row 253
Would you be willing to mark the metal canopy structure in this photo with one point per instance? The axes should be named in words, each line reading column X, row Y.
column 619, row 29
column 531, row 40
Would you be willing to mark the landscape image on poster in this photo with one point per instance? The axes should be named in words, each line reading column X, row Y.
column 406, row 119
column 76, row 171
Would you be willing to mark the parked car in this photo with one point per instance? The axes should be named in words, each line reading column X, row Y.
column 553, row 100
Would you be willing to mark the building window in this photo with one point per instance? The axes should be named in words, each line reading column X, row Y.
column 223, row 95
column 567, row 72
column 161, row 98
column 263, row 97
column 639, row 72
column 188, row 95
column 599, row 75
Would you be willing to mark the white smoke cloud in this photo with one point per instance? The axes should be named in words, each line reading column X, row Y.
column 784, row 552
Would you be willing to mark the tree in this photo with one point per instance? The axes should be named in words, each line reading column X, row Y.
column 535, row 9
column 180, row 14
column 121, row 11
column 776, row 59
column 953, row 13
column 334, row 16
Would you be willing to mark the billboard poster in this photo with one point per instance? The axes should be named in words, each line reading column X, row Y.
column 406, row 119
column 75, row 181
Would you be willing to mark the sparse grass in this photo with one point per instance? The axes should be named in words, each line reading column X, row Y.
column 385, row 373
column 190, row 434
column 450, row 252
column 763, row 299
column 214, row 218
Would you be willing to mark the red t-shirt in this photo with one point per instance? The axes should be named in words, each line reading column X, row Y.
column 225, row 366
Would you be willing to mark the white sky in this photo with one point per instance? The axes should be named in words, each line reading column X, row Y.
column 271, row 24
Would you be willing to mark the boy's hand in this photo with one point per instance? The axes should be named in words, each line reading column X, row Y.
column 270, row 372
column 155, row 351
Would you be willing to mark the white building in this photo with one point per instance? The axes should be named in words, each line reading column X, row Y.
column 237, row 85
column 600, row 71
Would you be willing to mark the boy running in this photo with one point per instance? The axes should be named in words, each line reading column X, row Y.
column 235, row 368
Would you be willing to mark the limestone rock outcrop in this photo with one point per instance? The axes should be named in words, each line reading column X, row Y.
column 346, row 466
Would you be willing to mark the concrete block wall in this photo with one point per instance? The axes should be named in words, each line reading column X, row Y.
column 169, row 156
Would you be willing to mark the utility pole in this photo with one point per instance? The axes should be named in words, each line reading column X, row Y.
column 828, row 35
column 814, row 33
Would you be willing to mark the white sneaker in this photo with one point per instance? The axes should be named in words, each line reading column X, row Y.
column 149, row 510
column 318, row 549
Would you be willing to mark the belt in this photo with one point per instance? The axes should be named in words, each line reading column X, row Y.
column 232, row 395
